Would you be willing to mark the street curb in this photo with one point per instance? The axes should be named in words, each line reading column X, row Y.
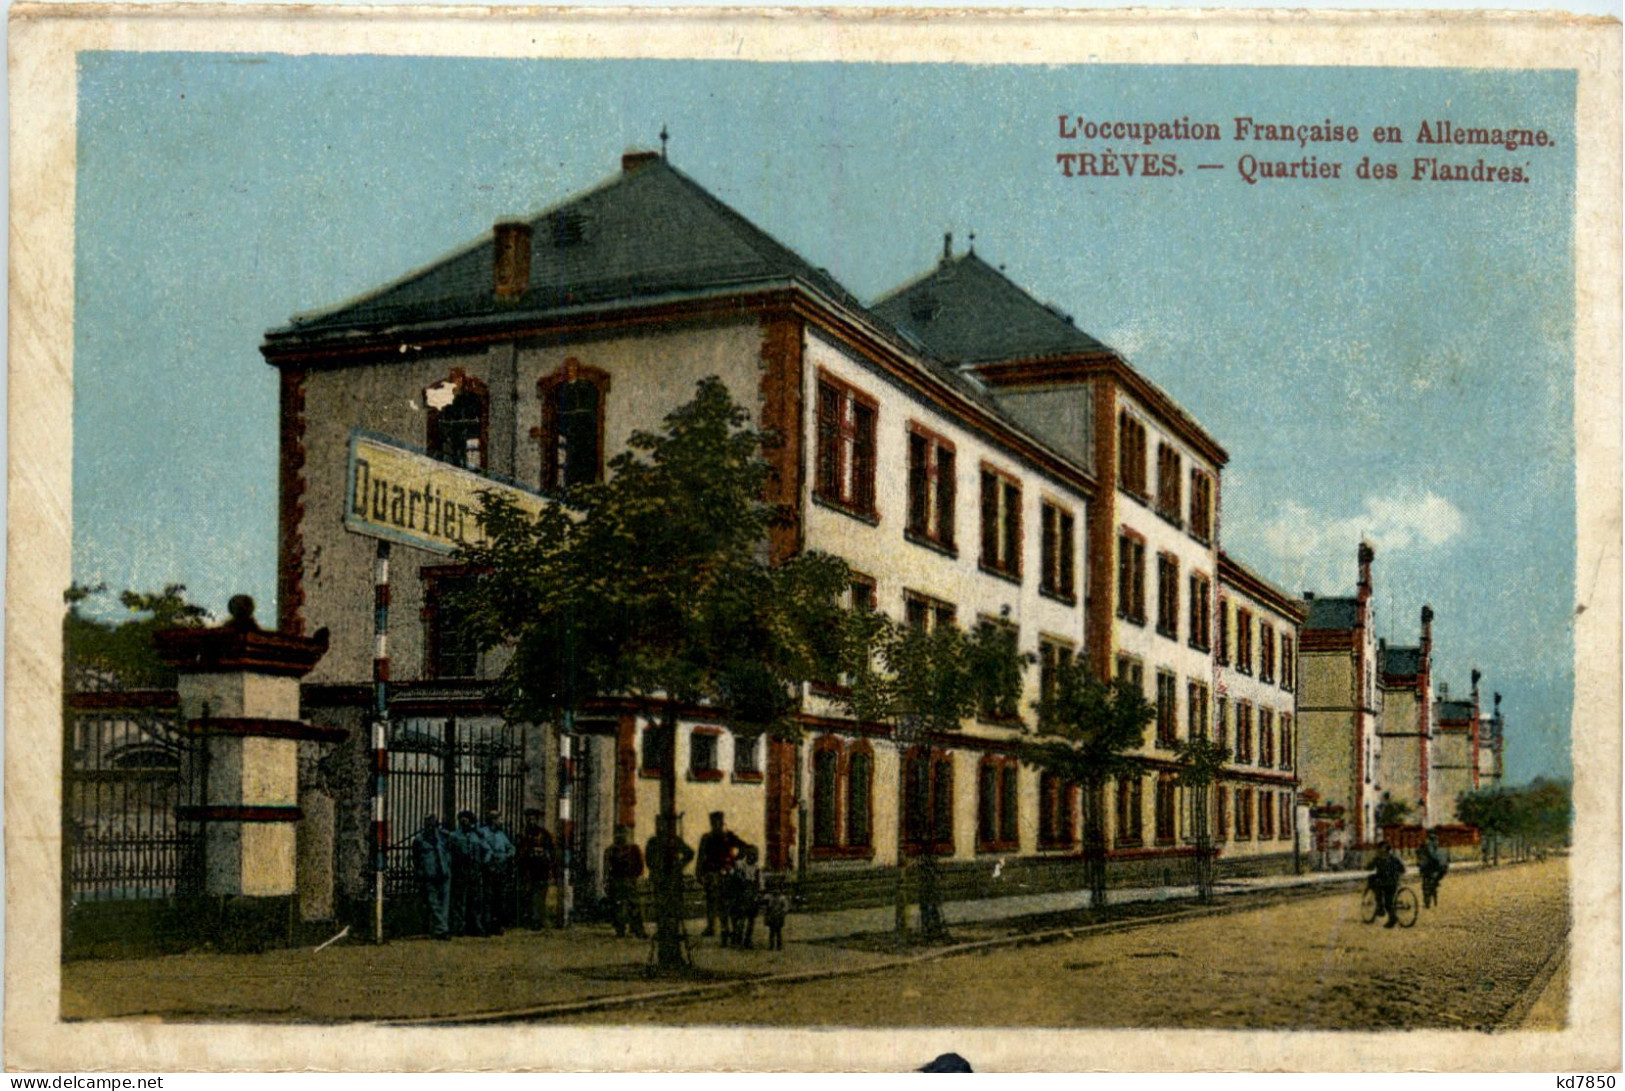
column 1518, row 1013
column 722, row 988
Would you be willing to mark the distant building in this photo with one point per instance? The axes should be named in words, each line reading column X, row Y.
column 1406, row 727
column 1455, row 751
column 1339, row 746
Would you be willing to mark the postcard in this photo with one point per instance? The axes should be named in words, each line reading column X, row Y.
column 535, row 536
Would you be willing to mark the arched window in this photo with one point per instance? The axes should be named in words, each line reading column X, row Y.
column 572, row 433
column 826, row 796
column 860, row 779
column 928, row 789
column 457, row 421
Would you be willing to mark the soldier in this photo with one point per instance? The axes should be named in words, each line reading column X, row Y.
column 498, row 874
column 431, row 863
column 536, row 856
column 468, row 856
column 623, row 867
column 717, row 849
column 1386, row 869
column 1432, row 862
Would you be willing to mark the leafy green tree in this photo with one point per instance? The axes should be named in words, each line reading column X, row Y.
column 923, row 680
column 1201, row 762
column 1392, row 812
column 654, row 586
column 119, row 653
column 1087, row 730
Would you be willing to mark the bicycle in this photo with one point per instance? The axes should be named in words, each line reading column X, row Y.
column 1405, row 906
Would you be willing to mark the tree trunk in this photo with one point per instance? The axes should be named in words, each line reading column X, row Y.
column 1094, row 847
column 671, row 953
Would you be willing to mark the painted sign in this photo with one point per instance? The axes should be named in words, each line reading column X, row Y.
column 400, row 493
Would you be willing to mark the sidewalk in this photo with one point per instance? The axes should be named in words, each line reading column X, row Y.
column 554, row 972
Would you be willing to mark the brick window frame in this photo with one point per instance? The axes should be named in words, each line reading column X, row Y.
column 1168, row 595
column 1053, row 651
column 436, row 426
column 1130, row 812
column 549, row 390
column 920, row 608
column 713, row 771
column 1201, row 507
column 1266, row 815
column 1244, row 641
column 1283, row 830
column 928, row 805
column 1167, row 709
column 1057, row 812
column 1058, row 552
column 998, row 806
column 1001, row 519
column 1286, row 750
column 1131, row 576
column 933, row 488
column 845, row 447
column 1131, row 448
column 1170, row 484
column 1266, row 651
column 1266, row 737
column 1287, row 662
column 1221, row 653
column 1201, row 606
column 1198, row 705
column 1244, row 814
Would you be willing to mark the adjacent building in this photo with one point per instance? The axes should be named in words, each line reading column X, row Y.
column 1406, row 726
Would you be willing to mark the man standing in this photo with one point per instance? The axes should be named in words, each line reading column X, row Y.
column 468, row 856
column 498, row 877
column 717, row 848
column 1386, row 870
column 623, row 867
column 431, row 863
column 535, row 869
column 1432, row 862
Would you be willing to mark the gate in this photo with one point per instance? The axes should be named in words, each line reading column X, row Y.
column 440, row 765
column 126, row 859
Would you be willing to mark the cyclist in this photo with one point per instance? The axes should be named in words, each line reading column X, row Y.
column 1386, row 869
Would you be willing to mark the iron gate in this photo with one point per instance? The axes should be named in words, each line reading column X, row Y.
column 442, row 765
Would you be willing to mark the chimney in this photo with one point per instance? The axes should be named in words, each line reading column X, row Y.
column 1427, row 635
column 1366, row 555
column 1476, row 676
column 510, row 265
column 633, row 161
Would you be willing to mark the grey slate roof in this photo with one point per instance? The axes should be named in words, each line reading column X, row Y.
column 1401, row 662
column 1327, row 613
column 967, row 312
column 1455, row 710
column 651, row 231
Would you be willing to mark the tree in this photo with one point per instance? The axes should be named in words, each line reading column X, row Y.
column 1392, row 812
column 120, row 654
column 1087, row 730
column 1202, row 760
column 654, row 586
column 923, row 680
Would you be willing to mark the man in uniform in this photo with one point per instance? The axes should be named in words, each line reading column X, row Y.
column 468, row 856
column 431, row 863
column 623, row 867
column 717, row 848
column 536, row 856
column 498, row 876
column 1432, row 862
column 1386, row 869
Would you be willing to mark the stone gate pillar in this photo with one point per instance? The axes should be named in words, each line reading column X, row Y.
column 239, row 696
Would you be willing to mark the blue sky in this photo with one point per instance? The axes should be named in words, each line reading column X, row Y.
column 1391, row 359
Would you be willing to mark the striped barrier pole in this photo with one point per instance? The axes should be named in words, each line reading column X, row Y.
column 380, row 737
column 567, row 740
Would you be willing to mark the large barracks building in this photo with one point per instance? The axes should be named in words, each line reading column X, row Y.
column 974, row 455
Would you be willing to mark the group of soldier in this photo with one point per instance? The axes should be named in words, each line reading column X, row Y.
column 474, row 879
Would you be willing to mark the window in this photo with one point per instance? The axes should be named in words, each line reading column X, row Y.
column 1201, row 604
column 747, row 761
column 1052, row 656
column 1244, row 641
column 572, row 425
column 457, row 421
column 1266, row 815
column 1131, row 578
column 1286, row 662
column 1244, row 732
column 1168, row 595
column 928, row 814
column 1057, row 811
column 1221, row 813
column 1130, row 825
column 702, row 754
column 453, row 649
column 1058, row 577
column 862, row 593
column 1244, row 814
column 1196, row 694
column 997, row 788
column 930, row 488
column 1286, row 741
column 1131, row 672
column 1266, row 652
column 1223, row 653
column 1285, row 833
column 1201, row 506
column 1170, row 499
column 842, row 798
column 845, row 473
column 1131, row 455
column 1167, row 710
column 1165, row 810
column 1221, row 723
column 1266, row 737
column 655, row 753
column 1000, row 707
column 1001, row 522
column 924, row 612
